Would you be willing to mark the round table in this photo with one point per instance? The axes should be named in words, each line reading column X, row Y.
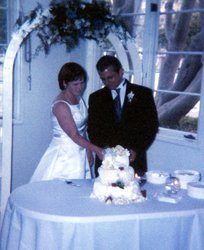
column 53, row 215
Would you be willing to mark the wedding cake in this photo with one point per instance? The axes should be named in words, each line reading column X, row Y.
column 116, row 182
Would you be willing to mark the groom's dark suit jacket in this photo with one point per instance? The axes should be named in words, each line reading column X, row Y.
column 137, row 128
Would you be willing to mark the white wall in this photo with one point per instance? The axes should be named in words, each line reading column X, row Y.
column 169, row 156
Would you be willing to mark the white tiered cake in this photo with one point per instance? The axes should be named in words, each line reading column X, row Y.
column 116, row 183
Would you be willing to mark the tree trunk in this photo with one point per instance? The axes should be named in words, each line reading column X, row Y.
column 172, row 111
column 176, row 42
column 180, row 73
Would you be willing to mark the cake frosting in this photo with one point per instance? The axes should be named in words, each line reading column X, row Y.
column 116, row 182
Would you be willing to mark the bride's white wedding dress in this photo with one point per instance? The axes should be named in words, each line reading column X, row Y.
column 64, row 158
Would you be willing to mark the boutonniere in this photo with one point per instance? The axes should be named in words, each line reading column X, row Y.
column 130, row 96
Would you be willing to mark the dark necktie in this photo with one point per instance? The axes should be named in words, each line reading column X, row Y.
column 117, row 105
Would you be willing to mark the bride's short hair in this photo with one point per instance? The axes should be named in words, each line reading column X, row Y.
column 71, row 71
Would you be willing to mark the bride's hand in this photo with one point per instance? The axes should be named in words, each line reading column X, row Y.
column 100, row 153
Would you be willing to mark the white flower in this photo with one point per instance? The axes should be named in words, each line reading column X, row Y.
column 77, row 24
column 120, row 151
column 130, row 96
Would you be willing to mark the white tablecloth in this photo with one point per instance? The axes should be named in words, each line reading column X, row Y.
column 53, row 215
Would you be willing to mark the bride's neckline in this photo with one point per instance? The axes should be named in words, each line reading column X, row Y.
column 69, row 99
column 62, row 100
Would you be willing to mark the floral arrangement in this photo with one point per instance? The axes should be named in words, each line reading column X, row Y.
column 68, row 21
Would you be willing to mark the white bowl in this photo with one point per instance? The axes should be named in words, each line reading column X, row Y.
column 196, row 190
column 156, row 177
column 186, row 176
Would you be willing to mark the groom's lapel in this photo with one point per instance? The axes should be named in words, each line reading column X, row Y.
column 108, row 101
column 128, row 90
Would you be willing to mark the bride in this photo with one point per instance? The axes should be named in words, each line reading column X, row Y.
column 69, row 155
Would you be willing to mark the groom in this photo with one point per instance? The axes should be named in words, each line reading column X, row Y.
column 125, row 117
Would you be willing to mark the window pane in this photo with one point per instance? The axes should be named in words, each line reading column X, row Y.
column 3, row 3
column 3, row 27
column 176, row 72
column 139, row 32
column 180, row 112
column 3, row 44
column 180, row 32
column 176, row 5
column 178, row 85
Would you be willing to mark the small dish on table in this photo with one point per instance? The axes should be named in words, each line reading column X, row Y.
column 186, row 176
column 157, row 177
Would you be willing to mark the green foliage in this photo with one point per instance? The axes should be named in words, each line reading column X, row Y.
column 186, row 124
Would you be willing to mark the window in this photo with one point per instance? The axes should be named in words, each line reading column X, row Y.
column 178, row 65
column 169, row 39
column 3, row 43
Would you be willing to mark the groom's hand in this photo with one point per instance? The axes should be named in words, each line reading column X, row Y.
column 132, row 155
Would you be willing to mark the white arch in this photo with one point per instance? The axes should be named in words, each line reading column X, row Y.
column 10, row 57
column 14, row 45
column 120, row 50
column 122, row 55
column 136, row 62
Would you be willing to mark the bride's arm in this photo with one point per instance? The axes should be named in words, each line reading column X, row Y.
column 66, row 122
